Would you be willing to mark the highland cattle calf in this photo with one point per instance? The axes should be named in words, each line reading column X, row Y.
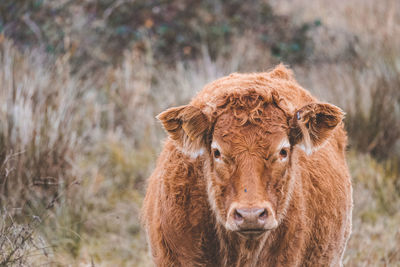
column 253, row 174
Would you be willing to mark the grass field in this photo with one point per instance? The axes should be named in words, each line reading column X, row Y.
column 77, row 146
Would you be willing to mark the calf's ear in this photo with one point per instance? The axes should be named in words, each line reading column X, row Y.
column 188, row 127
column 313, row 124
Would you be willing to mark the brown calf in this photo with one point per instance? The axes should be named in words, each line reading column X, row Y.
column 253, row 174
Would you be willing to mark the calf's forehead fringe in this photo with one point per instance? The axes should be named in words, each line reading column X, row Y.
column 267, row 87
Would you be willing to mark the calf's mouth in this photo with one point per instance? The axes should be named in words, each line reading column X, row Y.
column 251, row 233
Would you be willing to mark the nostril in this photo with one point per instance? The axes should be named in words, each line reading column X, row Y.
column 263, row 215
column 237, row 216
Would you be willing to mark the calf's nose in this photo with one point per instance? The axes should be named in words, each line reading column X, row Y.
column 250, row 218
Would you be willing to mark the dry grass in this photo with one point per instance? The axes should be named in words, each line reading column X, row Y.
column 75, row 150
column 376, row 234
column 40, row 127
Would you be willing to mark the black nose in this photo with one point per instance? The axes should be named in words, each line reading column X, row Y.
column 250, row 218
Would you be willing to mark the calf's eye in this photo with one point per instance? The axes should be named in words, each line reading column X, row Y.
column 217, row 154
column 283, row 153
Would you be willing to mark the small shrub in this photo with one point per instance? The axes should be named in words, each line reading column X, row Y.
column 19, row 243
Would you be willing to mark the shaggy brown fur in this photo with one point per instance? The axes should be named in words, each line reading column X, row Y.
column 251, row 143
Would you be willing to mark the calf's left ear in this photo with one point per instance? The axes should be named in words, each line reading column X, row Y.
column 313, row 124
column 188, row 127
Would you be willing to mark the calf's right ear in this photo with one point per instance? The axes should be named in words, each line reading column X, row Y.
column 188, row 127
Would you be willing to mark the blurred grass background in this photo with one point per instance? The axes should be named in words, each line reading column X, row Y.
column 82, row 81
